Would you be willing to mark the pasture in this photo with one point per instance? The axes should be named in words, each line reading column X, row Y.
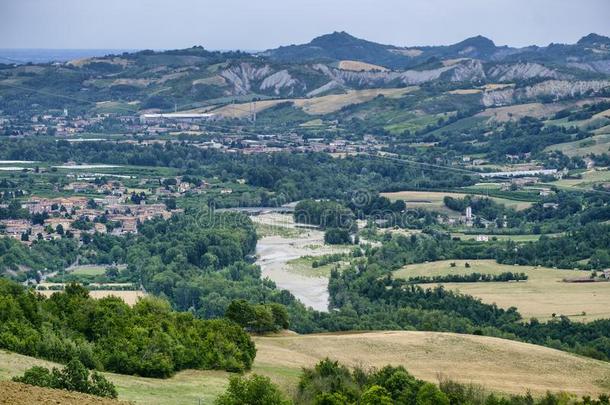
column 500, row 365
column 597, row 144
column 540, row 296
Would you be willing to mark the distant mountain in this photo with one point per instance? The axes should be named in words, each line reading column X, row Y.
column 339, row 46
column 594, row 39
column 343, row 46
column 329, row 64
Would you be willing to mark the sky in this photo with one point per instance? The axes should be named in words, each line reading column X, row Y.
column 265, row 24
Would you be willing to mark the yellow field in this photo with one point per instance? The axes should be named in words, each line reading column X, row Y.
column 315, row 105
column 130, row 297
column 500, row 365
column 465, row 91
column 434, row 200
column 540, row 296
column 360, row 66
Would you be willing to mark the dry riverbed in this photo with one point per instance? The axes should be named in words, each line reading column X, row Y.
column 274, row 251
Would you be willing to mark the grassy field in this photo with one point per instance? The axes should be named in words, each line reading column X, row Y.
column 500, row 365
column 304, row 266
column 540, row 296
column 187, row 387
column 263, row 230
column 88, row 270
column 589, row 178
column 433, row 200
column 597, row 144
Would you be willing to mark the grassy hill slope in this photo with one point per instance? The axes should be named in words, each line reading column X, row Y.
column 500, row 365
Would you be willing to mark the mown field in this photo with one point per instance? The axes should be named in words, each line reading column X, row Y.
column 315, row 105
column 540, row 296
column 433, row 200
column 501, row 365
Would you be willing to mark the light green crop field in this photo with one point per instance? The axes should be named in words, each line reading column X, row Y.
column 597, row 144
column 543, row 294
column 88, row 270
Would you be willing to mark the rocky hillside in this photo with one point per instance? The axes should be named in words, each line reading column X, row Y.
column 334, row 63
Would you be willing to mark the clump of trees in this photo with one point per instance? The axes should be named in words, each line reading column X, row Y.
column 73, row 377
column 254, row 390
column 469, row 278
column 148, row 339
column 258, row 318
column 337, row 236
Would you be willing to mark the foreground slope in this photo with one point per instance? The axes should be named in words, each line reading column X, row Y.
column 498, row 364
column 12, row 393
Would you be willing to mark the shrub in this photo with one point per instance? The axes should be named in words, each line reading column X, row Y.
column 73, row 377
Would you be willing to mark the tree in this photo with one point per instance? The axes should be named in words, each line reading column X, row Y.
column 376, row 395
column 254, row 390
column 429, row 394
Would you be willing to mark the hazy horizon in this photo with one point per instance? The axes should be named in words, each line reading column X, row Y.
column 237, row 24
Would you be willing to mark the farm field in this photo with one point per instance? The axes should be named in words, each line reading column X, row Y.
column 359, row 66
column 433, row 200
column 597, row 144
column 516, row 238
column 315, row 105
column 130, row 297
column 540, row 296
column 87, row 270
column 589, row 178
column 500, row 365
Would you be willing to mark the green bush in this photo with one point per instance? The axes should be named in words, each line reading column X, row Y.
column 73, row 377
column 254, row 390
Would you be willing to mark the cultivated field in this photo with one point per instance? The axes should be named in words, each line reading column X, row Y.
column 130, row 297
column 87, row 270
column 540, row 296
column 498, row 364
column 359, row 66
column 433, row 200
column 597, row 144
column 315, row 105
column 514, row 112
column 589, row 178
